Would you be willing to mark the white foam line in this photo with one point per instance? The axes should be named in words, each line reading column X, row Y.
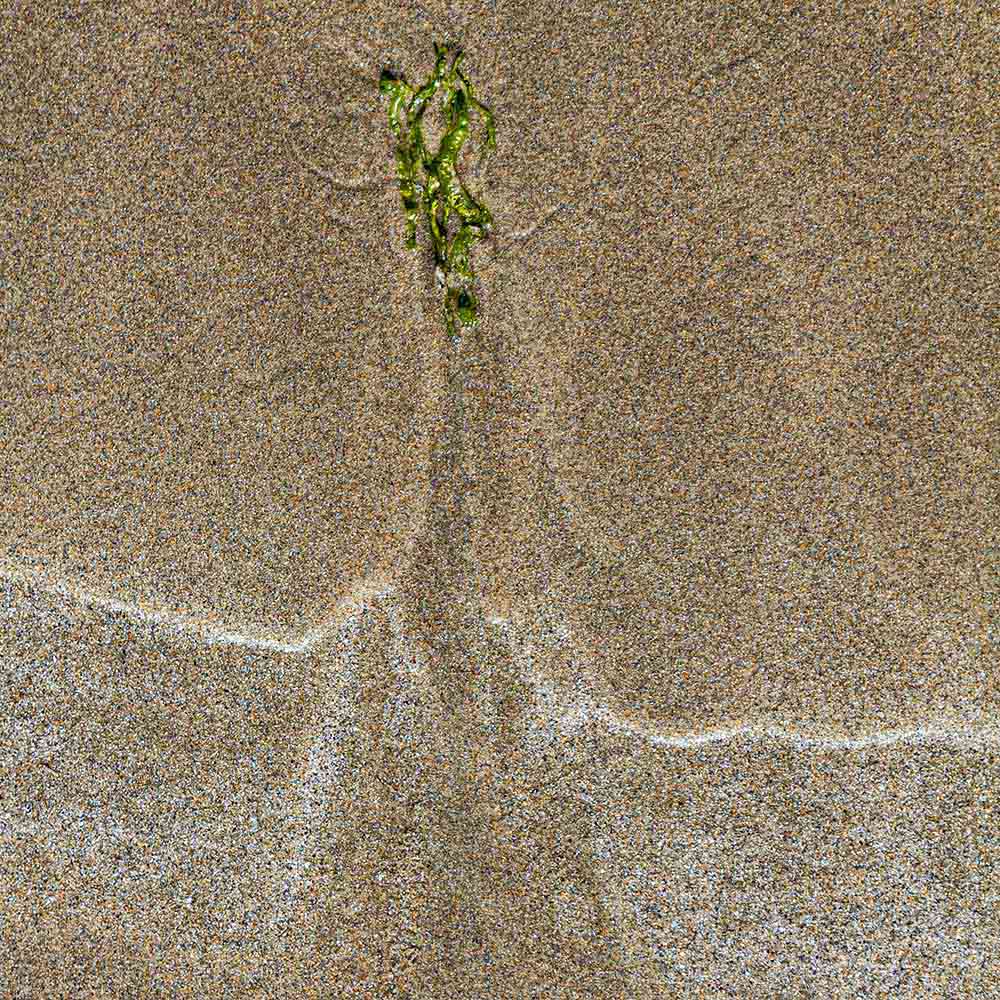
column 965, row 736
column 577, row 709
column 203, row 629
column 365, row 591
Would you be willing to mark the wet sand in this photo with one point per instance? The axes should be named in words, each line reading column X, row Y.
column 640, row 643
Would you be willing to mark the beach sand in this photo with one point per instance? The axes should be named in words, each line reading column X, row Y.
column 641, row 642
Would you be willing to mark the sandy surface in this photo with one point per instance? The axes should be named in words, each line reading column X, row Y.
column 642, row 643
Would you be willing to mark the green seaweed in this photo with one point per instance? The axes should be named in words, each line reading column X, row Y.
column 431, row 182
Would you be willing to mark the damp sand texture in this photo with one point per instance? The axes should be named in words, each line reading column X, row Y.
column 639, row 641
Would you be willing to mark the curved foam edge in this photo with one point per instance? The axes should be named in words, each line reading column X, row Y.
column 573, row 709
